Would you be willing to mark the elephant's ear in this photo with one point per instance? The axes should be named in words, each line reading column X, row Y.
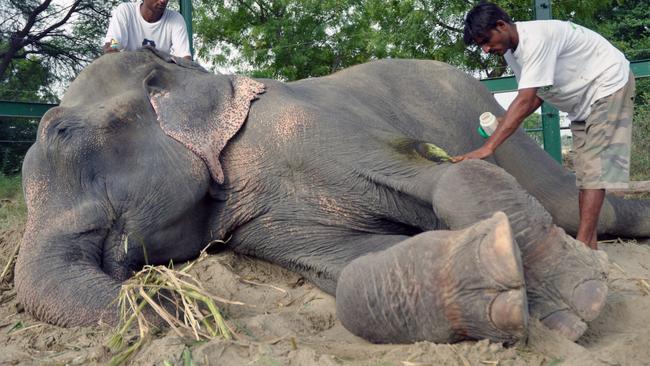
column 201, row 110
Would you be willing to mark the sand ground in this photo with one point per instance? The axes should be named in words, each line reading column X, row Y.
column 288, row 321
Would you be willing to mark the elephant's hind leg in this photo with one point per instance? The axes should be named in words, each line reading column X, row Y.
column 566, row 281
column 439, row 286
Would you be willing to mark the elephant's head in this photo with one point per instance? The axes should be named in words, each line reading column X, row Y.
column 119, row 176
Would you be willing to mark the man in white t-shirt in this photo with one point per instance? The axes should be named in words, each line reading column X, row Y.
column 579, row 72
column 148, row 22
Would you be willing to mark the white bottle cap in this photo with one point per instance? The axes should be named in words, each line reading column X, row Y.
column 488, row 122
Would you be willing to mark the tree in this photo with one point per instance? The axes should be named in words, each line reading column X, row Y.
column 294, row 39
column 63, row 38
column 627, row 27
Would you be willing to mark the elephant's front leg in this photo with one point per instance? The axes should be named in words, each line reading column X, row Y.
column 440, row 286
column 566, row 281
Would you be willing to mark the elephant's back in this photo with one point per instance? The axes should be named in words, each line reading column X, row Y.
column 418, row 99
column 405, row 80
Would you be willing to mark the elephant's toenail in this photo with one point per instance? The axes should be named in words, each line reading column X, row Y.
column 566, row 323
column 589, row 298
column 509, row 312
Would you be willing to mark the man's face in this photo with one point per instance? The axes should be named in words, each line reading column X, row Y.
column 156, row 5
column 498, row 41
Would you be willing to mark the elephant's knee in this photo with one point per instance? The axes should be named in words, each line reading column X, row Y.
column 474, row 190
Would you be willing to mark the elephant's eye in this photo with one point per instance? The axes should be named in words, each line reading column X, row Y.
column 60, row 131
column 64, row 128
column 114, row 121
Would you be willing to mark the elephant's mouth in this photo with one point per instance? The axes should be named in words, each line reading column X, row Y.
column 125, row 249
column 115, row 254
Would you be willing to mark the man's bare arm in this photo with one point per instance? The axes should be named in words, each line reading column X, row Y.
column 525, row 103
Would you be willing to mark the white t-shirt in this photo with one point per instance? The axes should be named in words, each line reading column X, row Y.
column 571, row 65
column 131, row 31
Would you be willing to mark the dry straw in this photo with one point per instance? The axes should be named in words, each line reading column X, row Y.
column 8, row 270
column 189, row 310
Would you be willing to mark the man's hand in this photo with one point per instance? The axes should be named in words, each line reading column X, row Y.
column 480, row 153
column 108, row 49
column 521, row 107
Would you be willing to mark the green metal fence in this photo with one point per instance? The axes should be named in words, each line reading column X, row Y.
column 23, row 109
column 186, row 10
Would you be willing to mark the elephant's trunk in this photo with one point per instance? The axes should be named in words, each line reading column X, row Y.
column 632, row 217
column 555, row 188
column 59, row 280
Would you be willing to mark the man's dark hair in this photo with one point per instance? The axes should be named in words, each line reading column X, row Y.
column 481, row 20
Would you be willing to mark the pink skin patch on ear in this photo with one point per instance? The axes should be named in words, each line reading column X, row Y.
column 156, row 99
column 206, row 138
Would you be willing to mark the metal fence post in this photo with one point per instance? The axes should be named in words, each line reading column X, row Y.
column 551, row 131
column 550, row 115
column 186, row 11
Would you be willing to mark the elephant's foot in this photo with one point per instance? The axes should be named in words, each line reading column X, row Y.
column 566, row 281
column 440, row 286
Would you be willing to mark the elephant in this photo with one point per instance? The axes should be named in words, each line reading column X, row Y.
column 344, row 179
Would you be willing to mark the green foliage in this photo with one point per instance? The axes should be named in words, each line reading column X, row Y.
column 626, row 26
column 534, row 122
column 62, row 36
column 28, row 80
column 295, row 39
column 640, row 163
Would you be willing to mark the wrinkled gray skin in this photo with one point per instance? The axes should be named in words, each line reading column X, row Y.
column 329, row 177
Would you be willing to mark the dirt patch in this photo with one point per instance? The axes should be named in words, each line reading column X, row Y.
column 288, row 321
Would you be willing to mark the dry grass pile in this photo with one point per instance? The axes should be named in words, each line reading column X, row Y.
column 190, row 310
column 7, row 274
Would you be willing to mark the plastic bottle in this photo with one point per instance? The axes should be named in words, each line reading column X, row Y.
column 487, row 124
column 115, row 44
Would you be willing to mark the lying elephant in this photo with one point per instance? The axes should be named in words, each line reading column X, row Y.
column 337, row 178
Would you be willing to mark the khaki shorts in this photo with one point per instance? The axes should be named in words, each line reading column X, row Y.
column 602, row 143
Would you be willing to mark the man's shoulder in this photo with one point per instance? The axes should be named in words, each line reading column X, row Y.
column 534, row 25
column 535, row 33
column 547, row 29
